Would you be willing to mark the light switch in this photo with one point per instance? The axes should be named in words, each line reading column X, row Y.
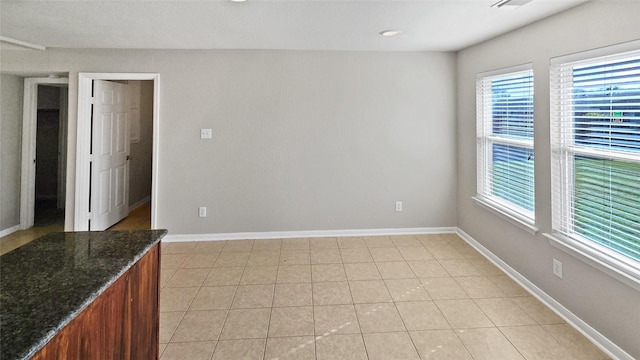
column 205, row 133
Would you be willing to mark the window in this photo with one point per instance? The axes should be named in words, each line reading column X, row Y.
column 595, row 119
column 505, row 142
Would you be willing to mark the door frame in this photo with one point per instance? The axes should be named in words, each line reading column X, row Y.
column 83, row 157
column 63, row 141
column 29, row 129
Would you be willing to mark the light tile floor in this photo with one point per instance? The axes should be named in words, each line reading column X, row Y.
column 384, row 297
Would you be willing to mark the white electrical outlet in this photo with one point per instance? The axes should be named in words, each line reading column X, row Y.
column 206, row 133
column 398, row 205
column 202, row 211
column 557, row 268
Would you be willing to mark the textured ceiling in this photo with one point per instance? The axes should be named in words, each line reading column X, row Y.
column 428, row 25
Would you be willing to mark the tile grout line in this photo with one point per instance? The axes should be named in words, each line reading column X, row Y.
column 224, row 322
column 393, row 301
column 273, row 299
column 190, row 302
column 313, row 307
column 227, row 314
column 445, row 318
column 510, row 342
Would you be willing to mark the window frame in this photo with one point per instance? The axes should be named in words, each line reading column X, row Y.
column 485, row 138
column 563, row 153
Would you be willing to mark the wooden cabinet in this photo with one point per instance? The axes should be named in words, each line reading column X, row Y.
column 121, row 323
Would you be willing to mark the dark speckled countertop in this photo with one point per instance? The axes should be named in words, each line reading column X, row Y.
column 47, row 282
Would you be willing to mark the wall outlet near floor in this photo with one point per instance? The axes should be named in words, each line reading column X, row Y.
column 557, row 268
column 398, row 205
column 202, row 211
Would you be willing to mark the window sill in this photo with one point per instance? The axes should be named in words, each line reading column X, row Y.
column 620, row 270
column 507, row 215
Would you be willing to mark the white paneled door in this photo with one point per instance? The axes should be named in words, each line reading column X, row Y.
column 109, row 199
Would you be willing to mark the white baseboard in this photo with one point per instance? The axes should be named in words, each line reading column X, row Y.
column 606, row 345
column 305, row 234
column 139, row 203
column 10, row 230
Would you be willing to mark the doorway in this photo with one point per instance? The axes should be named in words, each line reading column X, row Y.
column 142, row 157
column 122, row 153
column 44, row 153
column 50, row 171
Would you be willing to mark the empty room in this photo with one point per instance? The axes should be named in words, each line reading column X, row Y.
column 332, row 179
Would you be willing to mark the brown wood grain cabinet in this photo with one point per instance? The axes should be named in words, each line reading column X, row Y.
column 121, row 323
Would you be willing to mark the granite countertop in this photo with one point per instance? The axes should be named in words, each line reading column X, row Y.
column 46, row 283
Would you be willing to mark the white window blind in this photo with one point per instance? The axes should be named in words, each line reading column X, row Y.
column 595, row 114
column 505, row 141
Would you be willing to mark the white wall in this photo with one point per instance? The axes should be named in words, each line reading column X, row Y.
column 11, row 94
column 605, row 303
column 302, row 140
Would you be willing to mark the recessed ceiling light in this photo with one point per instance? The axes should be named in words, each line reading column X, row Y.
column 237, row 0
column 390, row 32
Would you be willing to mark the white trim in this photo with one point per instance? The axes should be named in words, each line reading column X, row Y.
column 485, row 139
column 29, row 128
column 305, row 234
column 609, row 154
column 21, row 43
column 512, row 218
column 597, row 259
column 139, row 203
column 63, row 140
column 606, row 345
column 564, row 235
column 510, row 141
column 9, row 231
column 85, row 80
column 507, row 70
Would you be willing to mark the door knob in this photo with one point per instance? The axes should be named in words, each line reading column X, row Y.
column 129, row 157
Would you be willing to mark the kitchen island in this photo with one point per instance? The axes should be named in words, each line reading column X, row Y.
column 81, row 295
